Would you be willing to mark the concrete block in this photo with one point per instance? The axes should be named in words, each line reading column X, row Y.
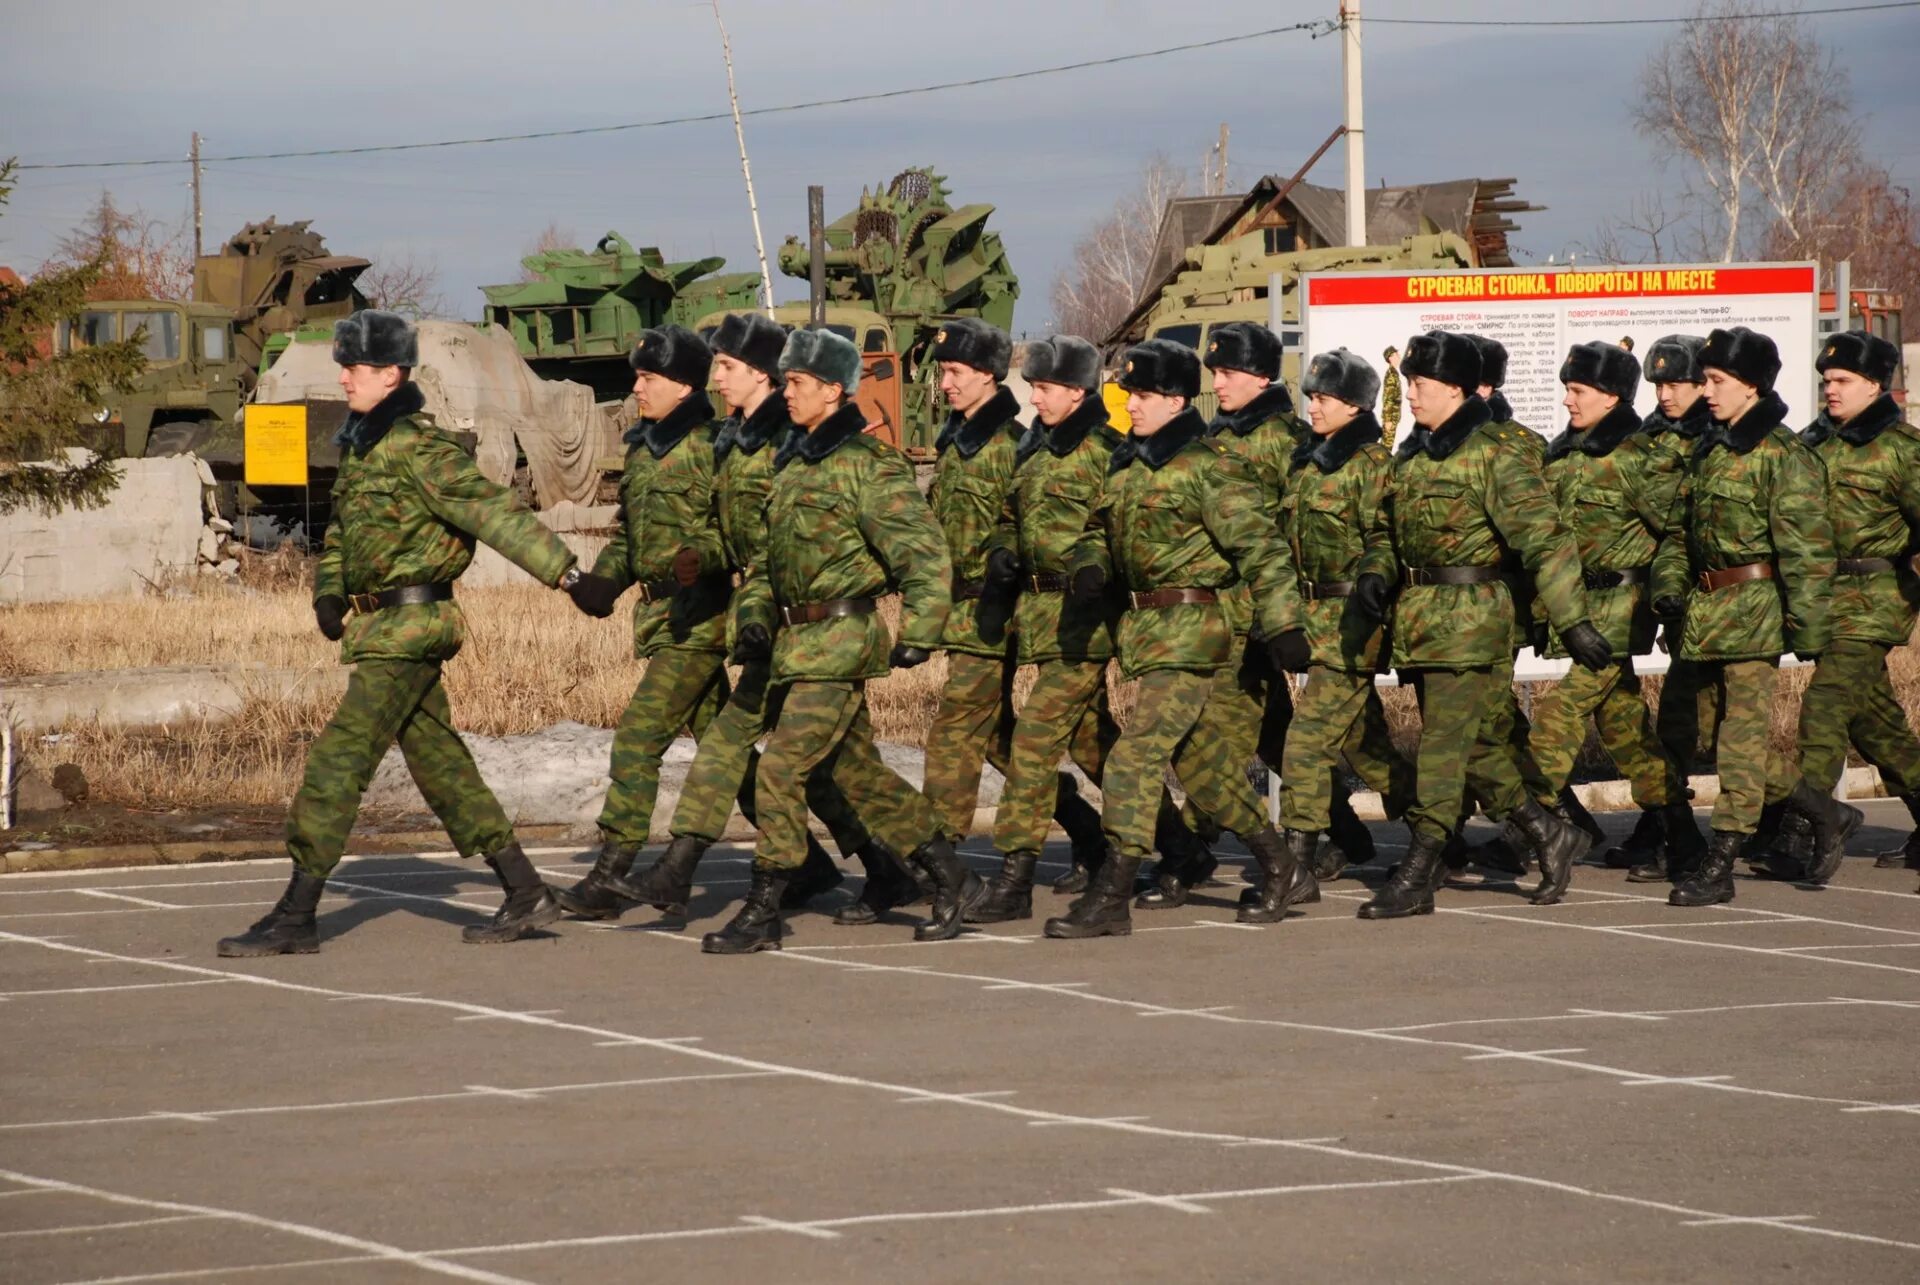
column 149, row 528
column 584, row 528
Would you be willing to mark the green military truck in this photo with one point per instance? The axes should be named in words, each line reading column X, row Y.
column 190, row 394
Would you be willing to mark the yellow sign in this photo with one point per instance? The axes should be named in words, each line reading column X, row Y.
column 276, row 446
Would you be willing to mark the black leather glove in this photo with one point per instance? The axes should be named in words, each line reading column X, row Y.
column 752, row 643
column 906, row 657
column 1290, row 651
column 1668, row 638
column 1370, row 596
column 686, row 566
column 331, row 612
column 1003, row 570
column 1587, row 647
column 1088, row 583
column 1670, row 606
column 594, row 595
column 1540, row 634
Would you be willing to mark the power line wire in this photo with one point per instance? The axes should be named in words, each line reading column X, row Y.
column 1369, row 21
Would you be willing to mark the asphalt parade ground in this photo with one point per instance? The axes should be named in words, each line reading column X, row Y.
column 1604, row 1090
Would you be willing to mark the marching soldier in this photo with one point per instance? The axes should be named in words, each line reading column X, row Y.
column 1390, row 396
column 407, row 507
column 1617, row 493
column 844, row 520
column 1872, row 459
column 1463, row 499
column 1336, row 522
column 1752, row 579
column 1181, row 520
column 978, row 448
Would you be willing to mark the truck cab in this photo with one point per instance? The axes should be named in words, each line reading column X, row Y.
column 190, row 393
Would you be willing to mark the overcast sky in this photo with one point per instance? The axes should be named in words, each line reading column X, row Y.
column 113, row 80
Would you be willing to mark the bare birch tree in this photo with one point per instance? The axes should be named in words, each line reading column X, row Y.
column 1099, row 286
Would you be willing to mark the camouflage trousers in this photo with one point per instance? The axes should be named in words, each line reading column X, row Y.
column 681, row 688
column 1508, row 726
column 823, row 730
column 726, row 762
column 974, row 726
column 389, row 700
column 1177, row 721
column 1336, row 712
column 1068, row 712
column 1689, row 716
column 1612, row 698
column 1462, row 747
column 1251, row 704
column 1851, row 700
column 1752, row 773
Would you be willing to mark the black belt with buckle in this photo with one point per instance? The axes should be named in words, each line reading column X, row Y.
column 405, row 596
column 1614, row 579
column 655, row 590
column 1048, row 583
column 1318, row 589
column 968, row 590
column 812, row 613
column 1450, row 575
column 1863, row 566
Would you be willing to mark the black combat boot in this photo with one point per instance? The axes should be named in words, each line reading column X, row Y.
column 957, row 891
column 1101, row 911
column 889, row 886
column 1686, row 848
column 816, row 875
column 1348, row 838
column 591, row 898
column 1410, row 890
column 1908, row 853
column 1505, row 852
column 287, row 929
column 1186, row 862
column 1712, row 883
column 1570, row 809
column 1833, row 824
column 667, row 884
column 757, row 926
column 1286, row 861
column 1009, row 892
column 1556, row 844
column 1645, row 849
column 529, row 904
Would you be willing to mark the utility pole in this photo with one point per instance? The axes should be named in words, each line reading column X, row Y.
column 816, row 256
column 1356, row 136
column 1221, row 188
column 196, row 197
column 746, row 170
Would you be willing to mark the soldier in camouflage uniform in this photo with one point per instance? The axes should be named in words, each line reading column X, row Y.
column 1181, row 520
column 978, row 448
column 1753, row 578
column 1872, row 459
column 408, row 505
column 1619, row 495
column 1336, row 522
column 1462, row 500
column 844, row 522
column 1390, row 396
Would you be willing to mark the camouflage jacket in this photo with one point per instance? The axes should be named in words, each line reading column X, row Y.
column 1180, row 511
column 1335, row 520
column 742, row 479
column 970, row 482
column 666, row 505
column 408, row 504
column 1677, row 437
column 1618, row 494
column 1753, row 493
column 1264, row 433
column 1056, row 485
column 1873, row 501
column 1510, row 432
column 845, row 520
column 1463, row 496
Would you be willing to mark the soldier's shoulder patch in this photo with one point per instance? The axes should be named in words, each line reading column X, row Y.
column 1906, row 429
column 464, row 440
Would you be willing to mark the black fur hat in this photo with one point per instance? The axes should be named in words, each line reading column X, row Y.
column 972, row 342
column 1868, row 356
column 1445, row 356
column 1161, row 366
column 1244, row 345
column 824, row 355
column 1342, row 374
column 1493, row 361
column 1675, row 359
column 1063, row 359
column 675, row 352
column 1747, row 355
column 753, row 338
column 1607, row 367
column 374, row 337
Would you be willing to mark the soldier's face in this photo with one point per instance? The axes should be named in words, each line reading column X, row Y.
column 1329, row 414
column 657, row 394
column 741, row 386
column 1151, row 411
column 809, row 400
column 1432, row 402
column 1677, row 399
column 1236, row 388
column 965, row 387
column 1847, row 394
column 368, row 386
column 1728, row 396
column 1054, row 402
column 1587, row 405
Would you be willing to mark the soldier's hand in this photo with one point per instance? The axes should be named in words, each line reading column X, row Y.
column 906, row 657
column 1370, row 596
column 1540, row 634
column 1088, row 583
column 1290, row 651
column 594, row 595
column 1666, row 638
column 331, row 613
column 1587, row 646
column 1669, row 606
column 686, row 566
column 1003, row 569
column 753, row 643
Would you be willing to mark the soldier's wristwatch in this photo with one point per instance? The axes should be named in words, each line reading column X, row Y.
column 570, row 578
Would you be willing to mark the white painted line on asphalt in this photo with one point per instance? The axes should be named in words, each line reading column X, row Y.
column 489, row 1017
column 1522, row 1055
column 93, row 1227
column 1282, row 1142
column 252, row 1269
column 112, row 990
column 1910, row 1108
column 489, row 1091
column 1877, row 945
column 951, row 1097
column 1772, row 1220
column 121, row 896
column 801, row 1229
column 1707, row 1080
column 1073, row 1122
column 1036, row 986
column 1164, row 1202
column 1186, row 1012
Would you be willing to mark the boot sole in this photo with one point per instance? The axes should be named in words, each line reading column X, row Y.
column 771, row 943
column 1851, row 820
column 541, row 916
column 224, row 951
column 578, row 911
column 1691, row 904
column 1368, row 912
column 1650, row 876
column 1060, row 930
column 931, row 931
